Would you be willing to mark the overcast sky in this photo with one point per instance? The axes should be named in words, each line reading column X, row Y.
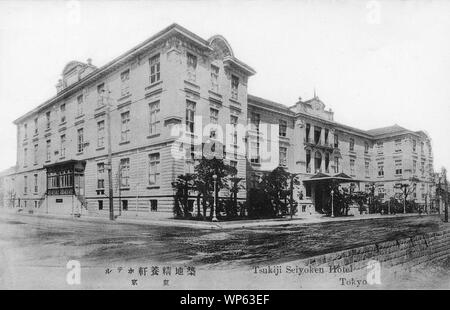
column 375, row 63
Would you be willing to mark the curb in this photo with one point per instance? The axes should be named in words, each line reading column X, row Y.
column 219, row 225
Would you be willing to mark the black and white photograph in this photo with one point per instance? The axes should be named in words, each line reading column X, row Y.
column 224, row 145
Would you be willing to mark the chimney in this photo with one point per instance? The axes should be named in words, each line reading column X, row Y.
column 89, row 61
column 59, row 86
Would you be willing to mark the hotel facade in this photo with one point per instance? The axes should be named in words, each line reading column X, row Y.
column 176, row 79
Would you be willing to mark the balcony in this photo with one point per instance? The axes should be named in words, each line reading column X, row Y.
column 319, row 144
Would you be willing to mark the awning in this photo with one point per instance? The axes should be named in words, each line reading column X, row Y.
column 340, row 177
column 77, row 165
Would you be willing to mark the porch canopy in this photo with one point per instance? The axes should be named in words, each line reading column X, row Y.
column 339, row 178
column 319, row 183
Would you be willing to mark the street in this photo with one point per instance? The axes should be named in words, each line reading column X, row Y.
column 37, row 242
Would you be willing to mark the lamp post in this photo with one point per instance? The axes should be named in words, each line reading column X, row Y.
column 444, row 193
column 235, row 181
column 291, row 190
column 214, row 218
column 332, row 203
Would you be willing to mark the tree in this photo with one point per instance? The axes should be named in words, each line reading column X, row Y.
column 258, row 204
column 374, row 201
column 204, row 181
column 343, row 198
column 407, row 190
column 182, row 185
column 276, row 185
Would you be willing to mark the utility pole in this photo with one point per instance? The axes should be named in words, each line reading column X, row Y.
column 109, row 165
column 444, row 172
column 291, row 190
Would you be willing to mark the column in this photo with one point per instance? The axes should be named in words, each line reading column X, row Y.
column 322, row 161
column 322, row 136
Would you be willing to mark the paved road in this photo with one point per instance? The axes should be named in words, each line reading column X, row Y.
column 50, row 241
column 34, row 251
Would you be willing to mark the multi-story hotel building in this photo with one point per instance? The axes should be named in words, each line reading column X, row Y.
column 311, row 143
column 177, row 78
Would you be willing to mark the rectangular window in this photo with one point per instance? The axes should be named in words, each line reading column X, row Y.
column 48, row 150
column 100, row 204
column 62, row 110
column 414, row 167
column 25, row 184
column 367, row 168
column 80, row 140
column 154, row 169
column 125, row 80
column 422, row 168
column 25, row 131
column 398, row 167
column 336, row 140
column 254, row 181
column 308, row 161
column 307, row 133
column 154, row 118
column 336, row 165
column 100, row 94
column 380, row 169
column 35, row 154
column 380, row 147
column 317, row 134
column 282, row 128
column 254, row 151
column 233, row 164
column 352, row 144
column 421, row 147
column 398, row 145
column 255, row 120
column 36, row 188
column 234, row 87
column 192, row 67
column 155, row 69
column 80, row 105
column 62, row 146
column 366, row 147
column 100, row 175
column 124, row 172
column 25, row 157
column 283, row 156
column 234, row 123
column 125, row 205
column 414, row 145
column 101, row 134
column 190, row 113
column 381, row 191
column 47, row 117
column 36, row 126
column 215, row 78
column 352, row 166
column 125, row 130
column 153, row 205
column 213, row 116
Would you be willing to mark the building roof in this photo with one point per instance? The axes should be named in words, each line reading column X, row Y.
column 165, row 33
column 372, row 133
column 387, row 130
column 269, row 103
column 8, row 171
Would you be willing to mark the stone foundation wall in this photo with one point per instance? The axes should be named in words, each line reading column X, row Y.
column 403, row 253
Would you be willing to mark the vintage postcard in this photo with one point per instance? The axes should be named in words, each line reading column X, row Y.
column 218, row 145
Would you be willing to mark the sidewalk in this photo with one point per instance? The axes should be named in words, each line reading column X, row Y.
column 218, row 225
